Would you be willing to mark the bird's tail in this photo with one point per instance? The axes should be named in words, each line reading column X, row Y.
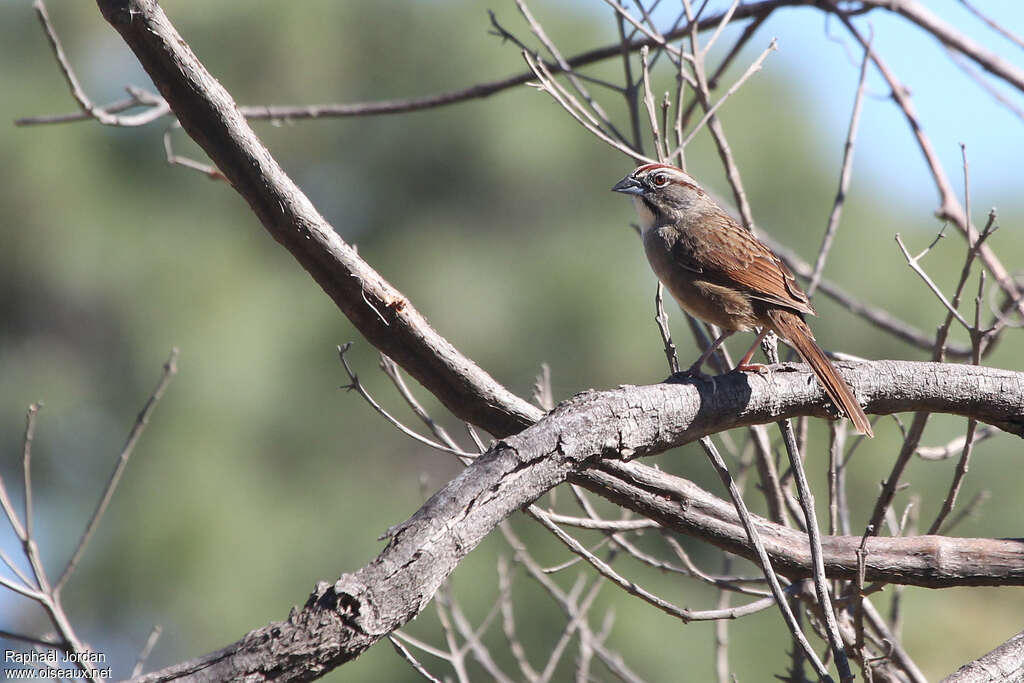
column 793, row 329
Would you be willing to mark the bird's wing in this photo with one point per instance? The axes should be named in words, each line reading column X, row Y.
column 730, row 255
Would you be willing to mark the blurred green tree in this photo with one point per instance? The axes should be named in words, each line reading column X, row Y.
column 258, row 476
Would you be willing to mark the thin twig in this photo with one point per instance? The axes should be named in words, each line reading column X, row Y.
column 26, row 460
column 169, row 371
column 994, row 25
column 976, row 501
column 845, row 174
column 209, row 170
column 958, row 477
column 85, row 104
column 543, row 395
column 558, row 649
column 473, row 641
column 412, row 661
column 356, row 384
column 508, row 622
column 700, row 85
column 765, row 561
column 456, row 655
column 393, row 372
column 611, row 659
column 661, row 318
column 722, row 629
column 817, row 557
column 751, row 70
column 605, row 570
column 549, row 45
column 955, row 445
column 652, row 35
column 147, row 649
column 878, row 317
column 569, row 103
column 726, row 18
column 649, row 104
column 980, row 79
column 899, row 654
column 913, row 262
column 949, row 207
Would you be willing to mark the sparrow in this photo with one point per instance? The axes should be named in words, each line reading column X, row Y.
column 720, row 273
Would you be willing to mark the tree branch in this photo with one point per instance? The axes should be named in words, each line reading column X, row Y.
column 583, row 439
column 382, row 313
column 928, row 561
column 1005, row 664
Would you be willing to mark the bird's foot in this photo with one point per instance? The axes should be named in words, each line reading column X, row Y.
column 757, row 369
column 754, row 367
column 691, row 373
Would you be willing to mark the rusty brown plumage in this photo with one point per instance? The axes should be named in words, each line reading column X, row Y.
column 719, row 272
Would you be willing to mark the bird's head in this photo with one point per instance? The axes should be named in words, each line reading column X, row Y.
column 661, row 193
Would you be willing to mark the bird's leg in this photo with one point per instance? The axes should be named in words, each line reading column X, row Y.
column 745, row 365
column 695, row 368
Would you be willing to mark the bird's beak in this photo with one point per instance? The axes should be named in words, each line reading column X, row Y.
column 629, row 185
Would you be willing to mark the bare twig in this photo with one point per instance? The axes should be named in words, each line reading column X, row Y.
column 976, row 501
column 547, row 84
column 26, row 459
column 508, row 622
column 147, row 649
column 878, row 317
column 611, row 659
column 898, row 653
column 169, row 371
column 955, row 445
column 661, row 318
column 914, row 263
column 806, row 499
column 606, row 570
column 845, row 174
column 549, row 45
column 993, row 92
column 391, row 369
column 762, row 555
column 85, row 104
column 994, row 25
column 354, row 383
column 209, row 170
column 949, row 207
column 652, row 115
column 726, row 18
column 408, row 656
column 754, row 67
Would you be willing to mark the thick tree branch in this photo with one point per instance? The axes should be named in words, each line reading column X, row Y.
column 380, row 312
column 929, row 561
column 1005, row 664
column 757, row 11
column 342, row 620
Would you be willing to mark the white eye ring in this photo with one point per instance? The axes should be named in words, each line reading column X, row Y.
column 659, row 180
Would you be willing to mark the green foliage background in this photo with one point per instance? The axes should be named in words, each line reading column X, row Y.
column 258, row 475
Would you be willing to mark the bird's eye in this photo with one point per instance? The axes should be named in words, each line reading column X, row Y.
column 659, row 180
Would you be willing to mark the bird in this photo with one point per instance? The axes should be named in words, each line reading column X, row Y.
column 720, row 273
